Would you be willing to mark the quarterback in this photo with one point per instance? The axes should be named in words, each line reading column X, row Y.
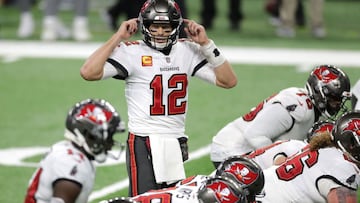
column 157, row 70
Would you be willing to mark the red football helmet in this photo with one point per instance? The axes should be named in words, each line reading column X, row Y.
column 221, row 189
column 346, row 135
column 160, row 12
column 245, row 172
column 318, row 127
column 91, row 124
column 329, row 88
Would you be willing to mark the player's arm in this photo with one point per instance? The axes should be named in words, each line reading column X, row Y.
column 92, row 69
column 342, row 195
column 225, row 75
column 273, row 121
column 65, row 191
column 279, row 159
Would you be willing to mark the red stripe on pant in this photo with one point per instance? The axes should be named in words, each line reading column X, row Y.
column 133, row 167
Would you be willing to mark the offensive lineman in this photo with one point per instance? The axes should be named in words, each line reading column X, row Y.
column 156, row 71
column 277, row 152
column 286, row 115
column 327, row 171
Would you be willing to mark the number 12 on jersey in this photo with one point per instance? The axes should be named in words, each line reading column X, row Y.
column 177, row 84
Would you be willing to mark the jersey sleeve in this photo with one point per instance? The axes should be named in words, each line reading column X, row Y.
column 271, row 122
column 122, row 58
column 199, row 65
column 296, row 102
column 71, row 167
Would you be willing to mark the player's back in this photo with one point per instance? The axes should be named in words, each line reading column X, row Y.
column 298, row 179
column 265, row 156
column 64, row 161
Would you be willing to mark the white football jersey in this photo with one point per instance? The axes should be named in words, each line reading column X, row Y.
column 283, row 116
column 157, row 84
column 356, row 91
column 265, row 156
column 64, row 161
column 301, row 178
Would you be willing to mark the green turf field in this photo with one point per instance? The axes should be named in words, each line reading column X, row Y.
column 36, row 93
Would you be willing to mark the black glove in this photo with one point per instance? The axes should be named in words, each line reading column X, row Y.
column 184, row 148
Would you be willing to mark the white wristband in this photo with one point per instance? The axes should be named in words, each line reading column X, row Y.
column 212, row 54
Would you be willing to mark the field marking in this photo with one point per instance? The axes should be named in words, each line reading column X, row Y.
column 304, row 59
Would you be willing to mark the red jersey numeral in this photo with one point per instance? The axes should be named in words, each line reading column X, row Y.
column 295, row 165
column 156, row 197
column 252, row 114
column 173, row 108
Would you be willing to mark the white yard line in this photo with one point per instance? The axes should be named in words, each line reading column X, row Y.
column 303, row 58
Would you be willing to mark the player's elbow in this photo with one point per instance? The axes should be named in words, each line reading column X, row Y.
column 87, row 74
column 228, row 83
column 231, row 83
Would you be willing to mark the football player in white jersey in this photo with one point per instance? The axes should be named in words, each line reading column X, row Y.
column 277, row 152
column 238, row 180
column 327, row 171
column 67, row 172
column 157, row 71
column 289, row 114
column 356, row 96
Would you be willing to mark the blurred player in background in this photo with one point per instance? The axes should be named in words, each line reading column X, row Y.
column 67, row 172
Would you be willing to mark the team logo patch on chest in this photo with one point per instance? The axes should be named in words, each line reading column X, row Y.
column 146, row 61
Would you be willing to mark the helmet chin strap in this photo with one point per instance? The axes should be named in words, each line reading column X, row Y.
column 121, row 151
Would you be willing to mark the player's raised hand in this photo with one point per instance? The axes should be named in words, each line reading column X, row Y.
column 128, row 28
column 196, row 32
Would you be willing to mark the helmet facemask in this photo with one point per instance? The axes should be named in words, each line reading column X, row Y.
column 151, row 40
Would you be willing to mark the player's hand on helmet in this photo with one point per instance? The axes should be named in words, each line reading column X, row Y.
column 128, row 28
column 196, row 32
